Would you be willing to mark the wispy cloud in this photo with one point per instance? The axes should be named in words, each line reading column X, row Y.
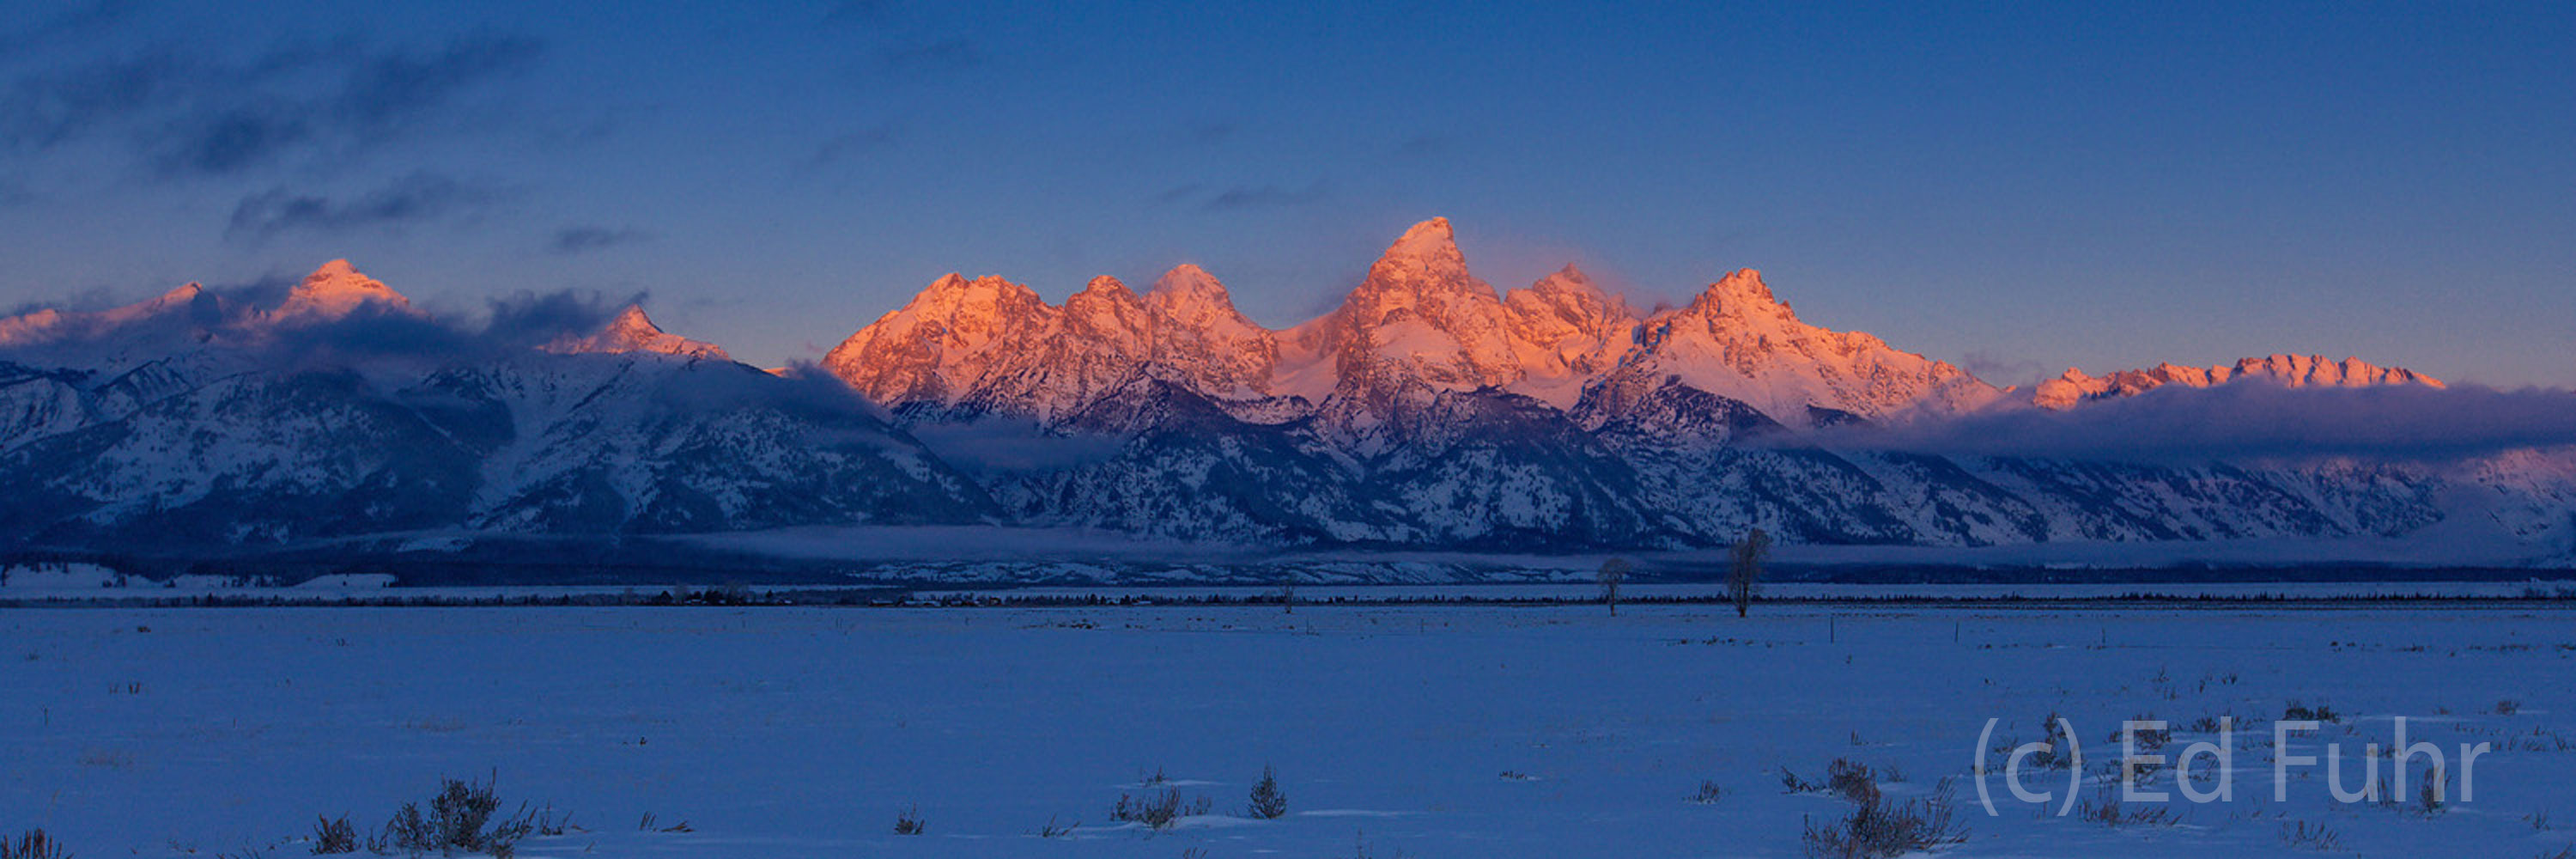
column 931, row 57
column 1211, row 133
column 1244, row 197
column 584, row 239
column 2001, row 369
column 844, row 147
column 46, row 108
column 413, row 199
column 381, row 97
column 2252, row 420
column 191, row 113
column 1264, row 197
column 1425, row 145
column 80, row 21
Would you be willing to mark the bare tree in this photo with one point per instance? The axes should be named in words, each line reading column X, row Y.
column 1613, row 571
column 1744, row 576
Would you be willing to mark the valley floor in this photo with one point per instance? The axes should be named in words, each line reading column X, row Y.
column 1429, row 732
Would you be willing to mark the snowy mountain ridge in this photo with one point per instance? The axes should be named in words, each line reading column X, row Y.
column 1427, row 409
column 2074, row 388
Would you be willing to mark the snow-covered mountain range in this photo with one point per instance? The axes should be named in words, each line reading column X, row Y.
column 1427, row 411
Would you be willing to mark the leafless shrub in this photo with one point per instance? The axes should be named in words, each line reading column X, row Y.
column 2313, row 836
column 1157, row 811
column 2147, row 739
column 2105, row 808
column 460, row 820
column 651, row 823
column 1709, row 793
column 1056, row 830
column 2432, row 794
column 334, row 836
column 909, row 822
column 1879, row 830
column 2061, row 750
column 1851, row 781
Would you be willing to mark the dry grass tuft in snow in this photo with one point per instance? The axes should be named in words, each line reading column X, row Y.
column 33, row 845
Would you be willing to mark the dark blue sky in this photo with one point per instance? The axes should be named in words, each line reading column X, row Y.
column 2015, row 189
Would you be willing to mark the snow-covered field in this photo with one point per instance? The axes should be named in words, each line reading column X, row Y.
column 1436, row 732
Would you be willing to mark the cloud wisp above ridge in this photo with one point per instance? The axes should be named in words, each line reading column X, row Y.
column 2247, row 420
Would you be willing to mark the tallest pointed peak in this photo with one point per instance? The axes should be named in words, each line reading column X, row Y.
column 633, row 320
column 1426, row 254
column 338, row 276
column 1429, row 239
column 337, row 289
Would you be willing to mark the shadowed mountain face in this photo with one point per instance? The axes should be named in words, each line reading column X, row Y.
column 1428, row 410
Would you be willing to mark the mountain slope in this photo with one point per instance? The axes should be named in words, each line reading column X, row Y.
column 1427, row 410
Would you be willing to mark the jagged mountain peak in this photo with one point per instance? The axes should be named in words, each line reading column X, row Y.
column 2075, row 387
column 1566, row 300
column 1188, row 285
column 1738, row 341
column 1105, row 285
column 1569, row 331
column 976, row 310
column 1569, row 278
column 1423, row 266
column 633, row 331
column 1419, row 323
column 1190, row 296
column 49, row 324
column 1741, row 293
column 336, row 290
column 1430, row 242
column 632, row 319
column 958, row 288
column 1106, row 310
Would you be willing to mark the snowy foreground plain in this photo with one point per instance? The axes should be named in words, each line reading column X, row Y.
column 1425, row 732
